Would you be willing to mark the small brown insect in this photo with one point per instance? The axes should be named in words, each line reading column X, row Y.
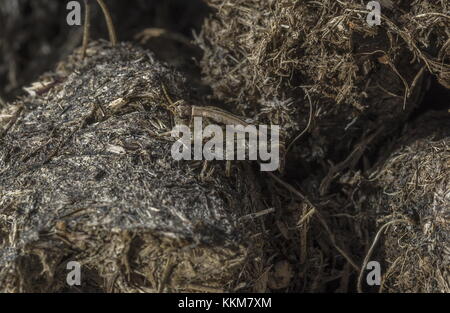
column 186, row 112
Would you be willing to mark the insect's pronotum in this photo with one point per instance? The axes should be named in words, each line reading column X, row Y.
column 87, row 24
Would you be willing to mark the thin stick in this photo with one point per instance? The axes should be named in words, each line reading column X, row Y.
column 11, row 123
column 171, row 105
column 109, row 22
column 318, row 214
column 307, row 126
column 86, row 28
column 166, row 274
column 372, row 247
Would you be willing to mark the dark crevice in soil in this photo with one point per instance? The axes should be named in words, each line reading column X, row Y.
column 437, row 98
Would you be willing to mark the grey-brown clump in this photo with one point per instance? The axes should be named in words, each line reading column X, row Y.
column 412, row 194
column 85, row 177
column 269, row 58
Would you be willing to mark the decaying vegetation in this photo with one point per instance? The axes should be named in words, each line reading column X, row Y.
column 84, row 175
column 412, row 192
column 342, row 91
column 270, row 58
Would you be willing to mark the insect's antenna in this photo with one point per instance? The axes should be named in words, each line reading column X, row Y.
column 86, row 28
column 109, row 22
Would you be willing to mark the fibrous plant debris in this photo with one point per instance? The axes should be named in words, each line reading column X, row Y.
column 411, row 191
column 278, row 60
column 85, row 177
column 342, row 90
column 356, row 187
